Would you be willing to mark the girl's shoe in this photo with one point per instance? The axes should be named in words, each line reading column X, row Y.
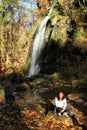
column 59, row 114
column 65, row 114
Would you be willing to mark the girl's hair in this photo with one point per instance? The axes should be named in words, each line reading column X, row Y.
column 62, row 97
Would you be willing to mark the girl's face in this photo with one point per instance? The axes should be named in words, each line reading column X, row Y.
column 61, row 95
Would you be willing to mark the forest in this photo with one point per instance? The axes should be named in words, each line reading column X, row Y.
column 43, row 54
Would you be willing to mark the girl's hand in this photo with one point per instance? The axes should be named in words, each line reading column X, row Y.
column 63, row 109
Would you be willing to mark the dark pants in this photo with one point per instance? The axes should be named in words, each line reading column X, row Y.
column 53, row 108
column 59, row 109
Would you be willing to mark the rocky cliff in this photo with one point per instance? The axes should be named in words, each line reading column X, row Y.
column 65, row 39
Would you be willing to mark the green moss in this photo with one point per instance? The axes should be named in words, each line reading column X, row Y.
column 60, row 17
column 26, row 66
column 81, row 35
column 59, row 33
column 28, row 62
column 73, row 12
column 54, row 77
column 39, row 82
column 57, row 15
column 78, row 83
column 53, row 14
column 1, row 87
column 80, row 38
column 38, row 108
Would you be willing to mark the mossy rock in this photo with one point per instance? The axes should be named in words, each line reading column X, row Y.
column 53, row 14
column 54, row 77
column 74, row 83
column 78, row 83
column 59, row 33
column 80, row 38
column 39, row 82
column 1, row 87
column 38, row 108
column 22, row 87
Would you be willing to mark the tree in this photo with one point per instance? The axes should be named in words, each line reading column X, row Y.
column 8, row 12
column 29, row 12
column 13, row 36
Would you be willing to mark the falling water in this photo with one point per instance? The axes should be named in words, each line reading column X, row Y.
column 38, row 46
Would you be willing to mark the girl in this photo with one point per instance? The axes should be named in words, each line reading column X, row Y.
column 61, row 105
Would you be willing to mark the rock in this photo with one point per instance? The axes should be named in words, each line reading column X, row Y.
column 39, row 82
column 54, row 77
column 79, row 83
column 80, row 37
column 74, row 83
column 16, row 77
column 22, row 87
column 54, row 20
column 74, row 96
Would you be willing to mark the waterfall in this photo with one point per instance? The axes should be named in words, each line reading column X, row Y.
column 38, row 46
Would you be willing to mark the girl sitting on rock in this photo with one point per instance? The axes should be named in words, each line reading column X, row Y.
column 61, row 106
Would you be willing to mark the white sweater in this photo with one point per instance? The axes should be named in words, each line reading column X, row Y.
column 62, row 103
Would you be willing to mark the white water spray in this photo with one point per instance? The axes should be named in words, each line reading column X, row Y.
column 38, row 46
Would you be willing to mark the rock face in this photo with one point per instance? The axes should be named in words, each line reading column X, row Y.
column 65, row 39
